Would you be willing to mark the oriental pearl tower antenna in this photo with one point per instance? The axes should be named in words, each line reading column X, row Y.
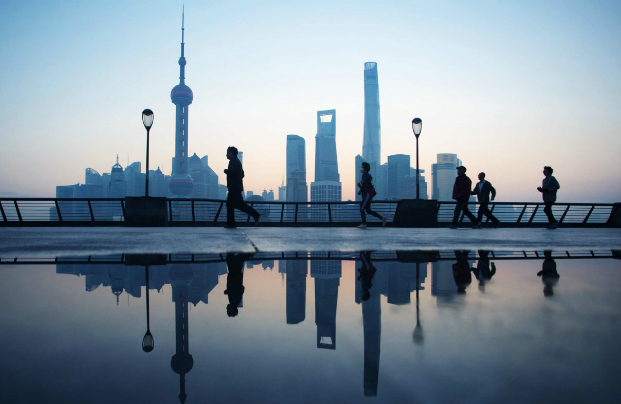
column 181, row 183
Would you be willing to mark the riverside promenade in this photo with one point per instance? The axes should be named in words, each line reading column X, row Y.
column 48, row 242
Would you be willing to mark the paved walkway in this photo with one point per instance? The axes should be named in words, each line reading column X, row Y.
column 51, row 242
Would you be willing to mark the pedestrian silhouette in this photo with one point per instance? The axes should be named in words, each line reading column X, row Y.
column 235, row 185
column 482, row 190
column 461, row 271
column 482, row 271
column 367, row 191
column 549, row 275
column 235, row 281
column 548, row 189
column 367, row 272
column 461, row 193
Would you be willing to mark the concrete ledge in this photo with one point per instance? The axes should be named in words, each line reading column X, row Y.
column 146, row 211
column 416, row 213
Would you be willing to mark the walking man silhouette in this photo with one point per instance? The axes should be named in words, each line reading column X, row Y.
column 461, row 193
column 235, row 185
column 367, row 191
column 548, row 189
column 482, row 191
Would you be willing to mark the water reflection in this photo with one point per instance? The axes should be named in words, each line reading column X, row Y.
column 394, row 275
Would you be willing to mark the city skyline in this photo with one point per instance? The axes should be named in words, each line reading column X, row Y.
column 504, row 86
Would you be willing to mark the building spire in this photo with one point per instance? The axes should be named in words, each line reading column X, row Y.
column 182, row 58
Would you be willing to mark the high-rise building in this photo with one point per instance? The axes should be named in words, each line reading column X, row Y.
column 326, row 164
column 443, row 176
column 158, row 183
column 398, row 170
column 181, row 183
column 282, row 192
column 371, row 146
column 407, row 189
column 205, row 179
column 136, row 180
column 117, row 188
column 267, row 196
column 297, row 188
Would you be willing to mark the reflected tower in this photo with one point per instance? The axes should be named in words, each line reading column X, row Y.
column 327, row 274
column 181, row 277
column 181, row 183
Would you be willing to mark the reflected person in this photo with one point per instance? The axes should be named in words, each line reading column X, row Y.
column 367, row 272
column 235, row 281
column 549, row 275
column 482, row 271
column 461, row 271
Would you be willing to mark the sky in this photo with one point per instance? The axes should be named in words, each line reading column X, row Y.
column 509, row 86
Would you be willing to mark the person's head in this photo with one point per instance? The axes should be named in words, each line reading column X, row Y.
column 231, row 152
column 461, row 170
column 481, row 176
column 366, row 167
column 547, row 171
column 231, row 310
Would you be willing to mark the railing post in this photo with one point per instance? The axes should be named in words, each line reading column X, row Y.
column 296, row 213
column 123, row 207
column 329, row 213
column 533, row 215
column 90, row 209
column 19, row 214
column 522, row 214
column 3, row 214
column 565, row 213
column 170, row 216
column 586, row 219
column 282, row 213
column 215, row 220
column 193, row 215
column 60, row 217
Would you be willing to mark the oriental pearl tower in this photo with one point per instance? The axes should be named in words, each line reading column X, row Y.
column 181, row 183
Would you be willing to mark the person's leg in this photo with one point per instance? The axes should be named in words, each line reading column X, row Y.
column 548, row 211
column 469, row 214
column 244, row 207
column 482, row 211
column 230, row 210
column 363, row 207
column 372, row 212
column 458, row 207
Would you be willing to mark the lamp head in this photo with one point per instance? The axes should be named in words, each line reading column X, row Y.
column 147, row 118
column 148, row 343
column 417, row 126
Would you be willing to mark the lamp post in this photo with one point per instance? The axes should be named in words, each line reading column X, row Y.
column 417, row 126
column 147, row 121
column 417, row 335
column 148, row 343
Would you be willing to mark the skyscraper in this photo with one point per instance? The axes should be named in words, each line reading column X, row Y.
column 398, row 170
column 371, row 147
column 443, row 176
column 326, row 164
column 181, row 183
column 297, row 188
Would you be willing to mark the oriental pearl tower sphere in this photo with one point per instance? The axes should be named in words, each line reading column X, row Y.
column 181, row 183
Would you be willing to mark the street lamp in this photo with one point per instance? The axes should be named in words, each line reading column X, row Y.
column 147, row 121
column 417, row 126
column 148, row 343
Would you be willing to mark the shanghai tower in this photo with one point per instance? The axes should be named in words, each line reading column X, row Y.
column 181, row 183
column 371, row 147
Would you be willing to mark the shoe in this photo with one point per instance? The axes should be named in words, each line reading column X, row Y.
column 229, row 226
column 553, row 226
column 497, row 225
column 362, row 226
column 452, row 226
column 478, row 225
column 383, row 222
column 257, row 219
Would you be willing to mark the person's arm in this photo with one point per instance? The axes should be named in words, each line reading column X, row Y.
column 553, row 185
column 493, row 191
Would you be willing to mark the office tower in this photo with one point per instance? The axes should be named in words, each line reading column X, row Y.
column 326, row 191
column 371, row 146
column 297, row 271
column 398, row 170
column 118, row 186
column 326, row 164
column 158, row 183
column 205, row 179
column 297, row 188
column 222, row 191
column 407, row 189
column 181, row 183
column 282, row 192
column 443, row 175
column 327, row 274
column 136, row 180
column 92, row 177
column 267, row 196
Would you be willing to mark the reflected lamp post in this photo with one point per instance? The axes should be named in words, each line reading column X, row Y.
column 147, row 121
column 417, row 335
column 417, row 126
column 148, row 343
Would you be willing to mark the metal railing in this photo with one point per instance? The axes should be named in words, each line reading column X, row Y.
column 212, row 212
